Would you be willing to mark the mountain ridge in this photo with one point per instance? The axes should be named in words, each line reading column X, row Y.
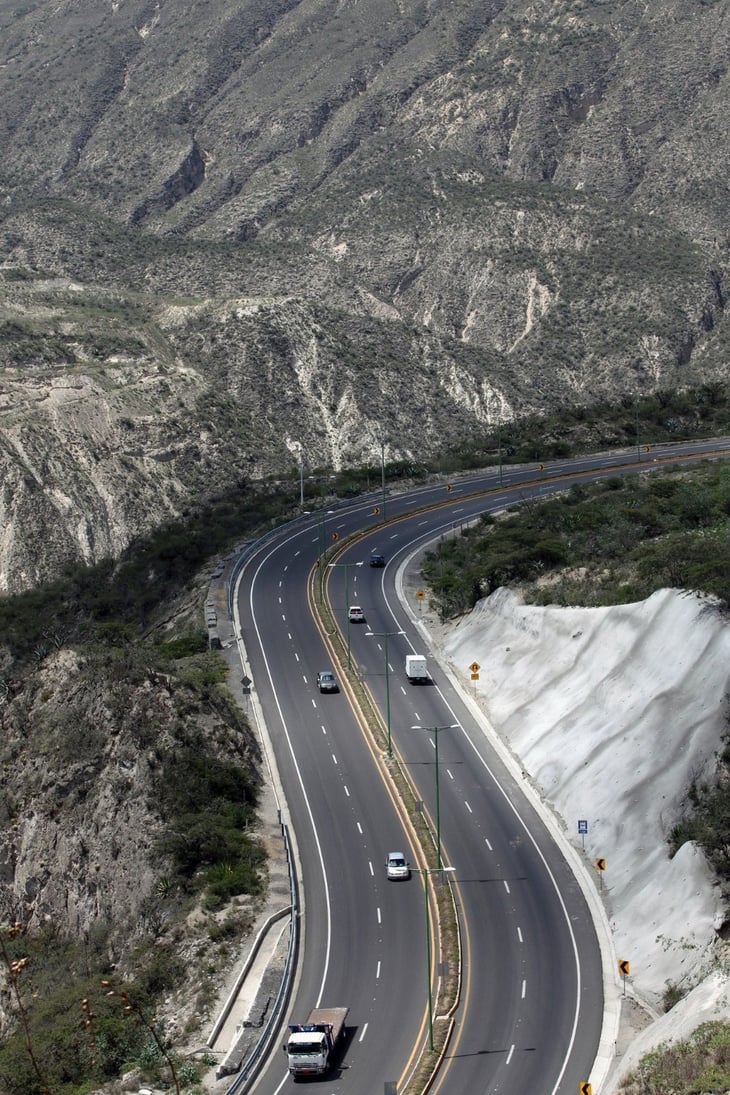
column 373, row 222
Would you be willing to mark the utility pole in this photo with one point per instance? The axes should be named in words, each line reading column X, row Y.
column 386, row 635
column 436, row 730
column 347, row 601
column 426, row 871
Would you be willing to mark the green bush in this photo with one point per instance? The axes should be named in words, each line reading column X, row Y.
column 211, row 805
column 75, row 1048
column 701, row 1063
column 184, row 646
column 639, row 533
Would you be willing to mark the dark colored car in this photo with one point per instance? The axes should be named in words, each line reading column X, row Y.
column 376, row 559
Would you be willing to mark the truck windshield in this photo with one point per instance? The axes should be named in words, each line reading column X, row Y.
column 309, row 1049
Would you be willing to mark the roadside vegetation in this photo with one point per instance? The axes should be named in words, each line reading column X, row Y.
column 607, row 543
column 70, row 1035
column 596, row 544
column 699, row 1065
column 616, row 541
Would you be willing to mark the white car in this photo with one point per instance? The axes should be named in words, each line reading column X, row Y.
column 397, row 866
column 355, row 615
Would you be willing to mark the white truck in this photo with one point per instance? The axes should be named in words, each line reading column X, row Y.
column 416, row 670
column 310, row 1045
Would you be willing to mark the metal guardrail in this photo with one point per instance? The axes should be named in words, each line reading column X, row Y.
column 251, row 1066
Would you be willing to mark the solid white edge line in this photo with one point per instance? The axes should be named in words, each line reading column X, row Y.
column 611, row 1000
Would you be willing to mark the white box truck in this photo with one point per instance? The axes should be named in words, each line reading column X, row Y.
column 416, row 670
column 310, row 1045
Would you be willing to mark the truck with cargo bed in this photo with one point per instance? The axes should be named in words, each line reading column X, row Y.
column 310, row 1045
column 416, row 669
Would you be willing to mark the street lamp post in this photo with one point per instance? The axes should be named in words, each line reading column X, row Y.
column 300, row 448
column 499, row 447
column 386, row 635
column 347, row 601
column 426, row 871
column 436, row 730
column 382, row 475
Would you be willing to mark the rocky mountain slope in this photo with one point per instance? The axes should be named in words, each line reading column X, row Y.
column 117, row 779
column 238, row 235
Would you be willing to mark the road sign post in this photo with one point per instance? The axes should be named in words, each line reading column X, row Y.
column 583, row 830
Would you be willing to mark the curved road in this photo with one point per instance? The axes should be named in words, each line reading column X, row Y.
column 531, row 1006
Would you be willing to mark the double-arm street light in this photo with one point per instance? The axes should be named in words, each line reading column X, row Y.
column 347, row 601
column 436, row 730
column 386, row 635
column 426, row 871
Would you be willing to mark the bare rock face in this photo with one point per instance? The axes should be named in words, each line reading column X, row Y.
column 76, row 770
column 84, row 741
column 231, row 235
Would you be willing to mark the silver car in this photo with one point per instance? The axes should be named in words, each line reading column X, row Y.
column 327, row 681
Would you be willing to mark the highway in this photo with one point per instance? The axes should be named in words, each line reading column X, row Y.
column 530, row 1012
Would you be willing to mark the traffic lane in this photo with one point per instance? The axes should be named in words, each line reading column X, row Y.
column 385, row 942
column 374, row 931
column 507, row 489
column 554, row 1043
column 470, row 805
column 545, row 980
column 523, row 986
column 318, row 759
column 558, row 917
